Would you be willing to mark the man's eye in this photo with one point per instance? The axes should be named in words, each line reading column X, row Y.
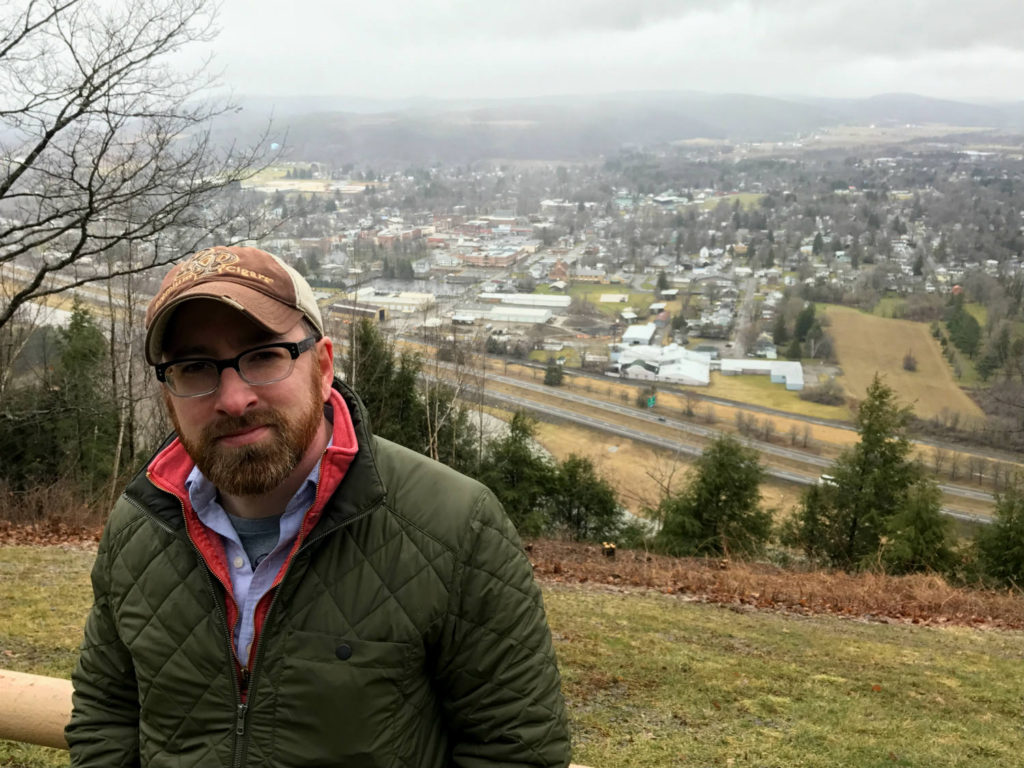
column 193, row 368
column 265, row 356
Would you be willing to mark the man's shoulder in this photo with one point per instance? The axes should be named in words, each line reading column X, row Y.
column 429, row 494
column 130, row 514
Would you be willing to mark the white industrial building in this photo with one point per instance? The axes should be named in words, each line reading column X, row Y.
column 529, row 299
column 788, row 372
column 689, row 372
column 398, row 301
column 680, row 365
column 660, row 355
column 524, row 315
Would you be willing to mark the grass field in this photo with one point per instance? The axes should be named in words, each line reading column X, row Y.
column 657, row 681
column 889, row 306
column 760, row 390
column 979, row 311
column 638, row 301
column 866, row 344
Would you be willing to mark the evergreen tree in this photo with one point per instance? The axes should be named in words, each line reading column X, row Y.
column 780, row 334
column 386, row 382
column 842, row 523
column 85, row 417
column 964, row 330
column 919, row 536
column 520, row 477
column 804, row 322
column 65, row 428
column 719, row 511
column 553, row 375
column 582, row 504
column 1000, row 546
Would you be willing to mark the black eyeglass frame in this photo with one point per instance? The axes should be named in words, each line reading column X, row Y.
column 294, row 348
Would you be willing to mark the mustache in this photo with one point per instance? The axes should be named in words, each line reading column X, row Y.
column 229, row 425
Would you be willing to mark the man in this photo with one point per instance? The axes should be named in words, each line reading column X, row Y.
column 279, row 587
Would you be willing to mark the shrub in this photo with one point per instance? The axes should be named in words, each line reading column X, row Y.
column 827, row 393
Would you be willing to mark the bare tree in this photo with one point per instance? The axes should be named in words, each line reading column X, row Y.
column 939, row 457
column 954, row 465
column 983, row 469
column 103, row 143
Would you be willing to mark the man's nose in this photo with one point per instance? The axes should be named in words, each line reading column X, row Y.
column 234, row 395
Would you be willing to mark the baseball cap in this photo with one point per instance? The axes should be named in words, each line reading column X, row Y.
column 256, row 283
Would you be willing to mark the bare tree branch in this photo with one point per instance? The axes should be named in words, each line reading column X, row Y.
column 104, row 144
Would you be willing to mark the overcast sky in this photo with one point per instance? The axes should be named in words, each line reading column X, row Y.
column 960, row 49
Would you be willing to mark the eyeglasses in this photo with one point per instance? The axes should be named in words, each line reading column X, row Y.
column 198, row 376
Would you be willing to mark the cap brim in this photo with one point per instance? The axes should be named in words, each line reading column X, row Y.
column 270, row 314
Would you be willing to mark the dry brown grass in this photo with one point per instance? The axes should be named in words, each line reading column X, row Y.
column 638, row 472
column 918, row 599
column 866, row 344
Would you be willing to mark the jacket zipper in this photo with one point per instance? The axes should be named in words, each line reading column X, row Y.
column 241, row 708
column 273, row 601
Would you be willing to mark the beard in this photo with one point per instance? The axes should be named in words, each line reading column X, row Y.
column 257, row 468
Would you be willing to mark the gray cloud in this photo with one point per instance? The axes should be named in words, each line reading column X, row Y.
column 897, row 29
column 458, row 48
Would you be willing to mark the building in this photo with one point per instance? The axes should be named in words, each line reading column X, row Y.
column 788, row 372
column 519, row 315
column 548, row 300
column 639, row 334
column 397, row 301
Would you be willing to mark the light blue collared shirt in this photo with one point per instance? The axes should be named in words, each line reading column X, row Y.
column 247, row 583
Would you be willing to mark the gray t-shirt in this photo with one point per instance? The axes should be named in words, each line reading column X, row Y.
column 259, row 535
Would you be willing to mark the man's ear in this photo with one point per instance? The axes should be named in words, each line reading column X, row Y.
column 325, row 359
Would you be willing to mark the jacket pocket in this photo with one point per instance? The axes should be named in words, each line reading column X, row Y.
column 340, row 699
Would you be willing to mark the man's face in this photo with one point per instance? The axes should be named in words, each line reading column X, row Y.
column 245, row 439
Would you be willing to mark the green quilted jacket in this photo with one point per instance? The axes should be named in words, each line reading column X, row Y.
column 406, row 630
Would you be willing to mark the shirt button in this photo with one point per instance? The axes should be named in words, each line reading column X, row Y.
column 239, row 562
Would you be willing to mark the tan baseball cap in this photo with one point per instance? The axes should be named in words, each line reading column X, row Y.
column 256, row 283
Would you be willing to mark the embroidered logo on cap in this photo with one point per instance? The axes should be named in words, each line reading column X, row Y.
column 213, row 262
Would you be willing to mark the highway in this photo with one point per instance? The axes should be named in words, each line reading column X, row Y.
column 592, row 420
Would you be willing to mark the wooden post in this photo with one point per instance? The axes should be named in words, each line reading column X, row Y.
column 34, row 709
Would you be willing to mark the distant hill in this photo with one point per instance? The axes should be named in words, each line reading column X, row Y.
column 340, row 129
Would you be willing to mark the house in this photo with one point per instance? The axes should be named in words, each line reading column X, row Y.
column 559, row 271
column 765, row 347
